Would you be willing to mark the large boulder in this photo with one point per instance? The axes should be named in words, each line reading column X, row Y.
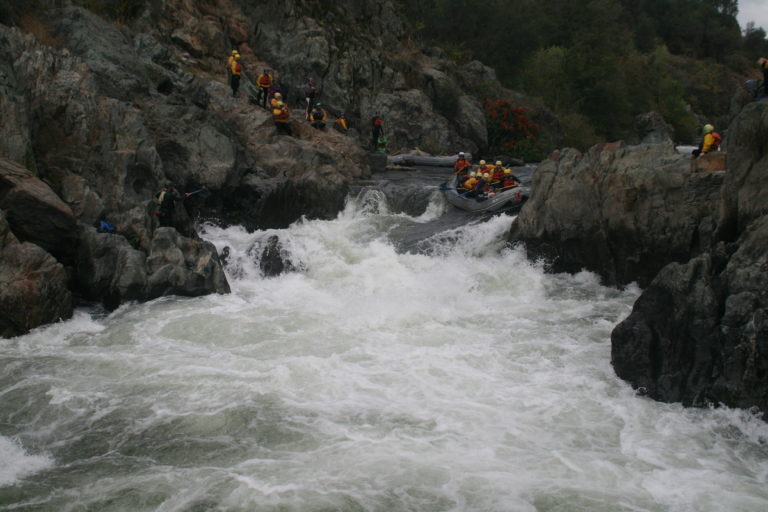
column 621, row 211
column 35, row 213
column 109, row 269
column 181, row 266
column 699, row 333
column 33, row 285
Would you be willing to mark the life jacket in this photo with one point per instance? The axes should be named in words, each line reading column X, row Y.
column 498, row 174
column 264, row 80
column 236, row 68
column 376, row 121
column 280, row 115
column 318, row 115
column 343, row 123
column 716, row 142
column 461, row 165
column 470, row 183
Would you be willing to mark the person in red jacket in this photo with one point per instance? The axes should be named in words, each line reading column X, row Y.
column 377, row 129
column 264, row 82
column 462, row 165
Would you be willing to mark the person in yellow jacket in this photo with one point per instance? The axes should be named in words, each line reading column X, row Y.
column 230, row 60
column 710, row 142
column 282, row 117
column 318, row 116
column 277, row 98
column 235, row 68
column 471, row 182
column 264, row 81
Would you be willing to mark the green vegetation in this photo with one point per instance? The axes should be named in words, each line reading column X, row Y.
column 599, row 63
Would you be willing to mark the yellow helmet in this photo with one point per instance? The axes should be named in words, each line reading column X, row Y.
column 498, row 162
column 486, row 175
column 472, row 174
column 234, row 52
column 278, row 95
column 507, row 171
column 280, row 104
column 708, row 128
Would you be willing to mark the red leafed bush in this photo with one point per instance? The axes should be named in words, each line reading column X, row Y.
column 509, row 125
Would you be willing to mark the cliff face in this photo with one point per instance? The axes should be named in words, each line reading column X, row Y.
column 693, row 238
column 699, row 333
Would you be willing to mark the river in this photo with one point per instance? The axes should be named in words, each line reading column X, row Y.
column 411, row 362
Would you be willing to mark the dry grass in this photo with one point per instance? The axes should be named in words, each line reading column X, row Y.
column 34, row 25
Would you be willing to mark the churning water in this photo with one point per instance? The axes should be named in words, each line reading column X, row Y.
column 389, row 372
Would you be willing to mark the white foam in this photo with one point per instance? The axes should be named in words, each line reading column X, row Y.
column 16, row 464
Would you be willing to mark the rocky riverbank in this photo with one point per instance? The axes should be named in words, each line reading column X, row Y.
column 100, row 113
column 693, row 238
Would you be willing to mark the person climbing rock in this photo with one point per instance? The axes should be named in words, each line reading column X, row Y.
column 264, row 81
column 236, row 68
column 762, row 63
column 710, row 142
column 377, row 130
column 317, row 117
column 282, row 118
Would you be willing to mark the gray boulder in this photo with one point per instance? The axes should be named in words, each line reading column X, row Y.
column 35, row 213
column 109, row 269
column 33, row 285
column 621, row 211
column 699, row 333
column 181, row 266
column 653, row 129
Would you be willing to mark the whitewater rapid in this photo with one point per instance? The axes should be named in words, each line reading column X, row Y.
column 455, row 375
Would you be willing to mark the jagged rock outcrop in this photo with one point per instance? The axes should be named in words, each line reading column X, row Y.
column 699, row 333
column 621, row 211
column 35, row 213
column 33, row 285
column 104, row 114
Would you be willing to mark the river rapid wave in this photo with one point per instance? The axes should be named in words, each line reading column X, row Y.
column 412, row 362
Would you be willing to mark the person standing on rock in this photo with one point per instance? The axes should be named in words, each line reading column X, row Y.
column 310, row 93
column 230, row 60
column 265, row 83
column 377, row 130
column 236, row 68
column 710, row 142
column 166, row 205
